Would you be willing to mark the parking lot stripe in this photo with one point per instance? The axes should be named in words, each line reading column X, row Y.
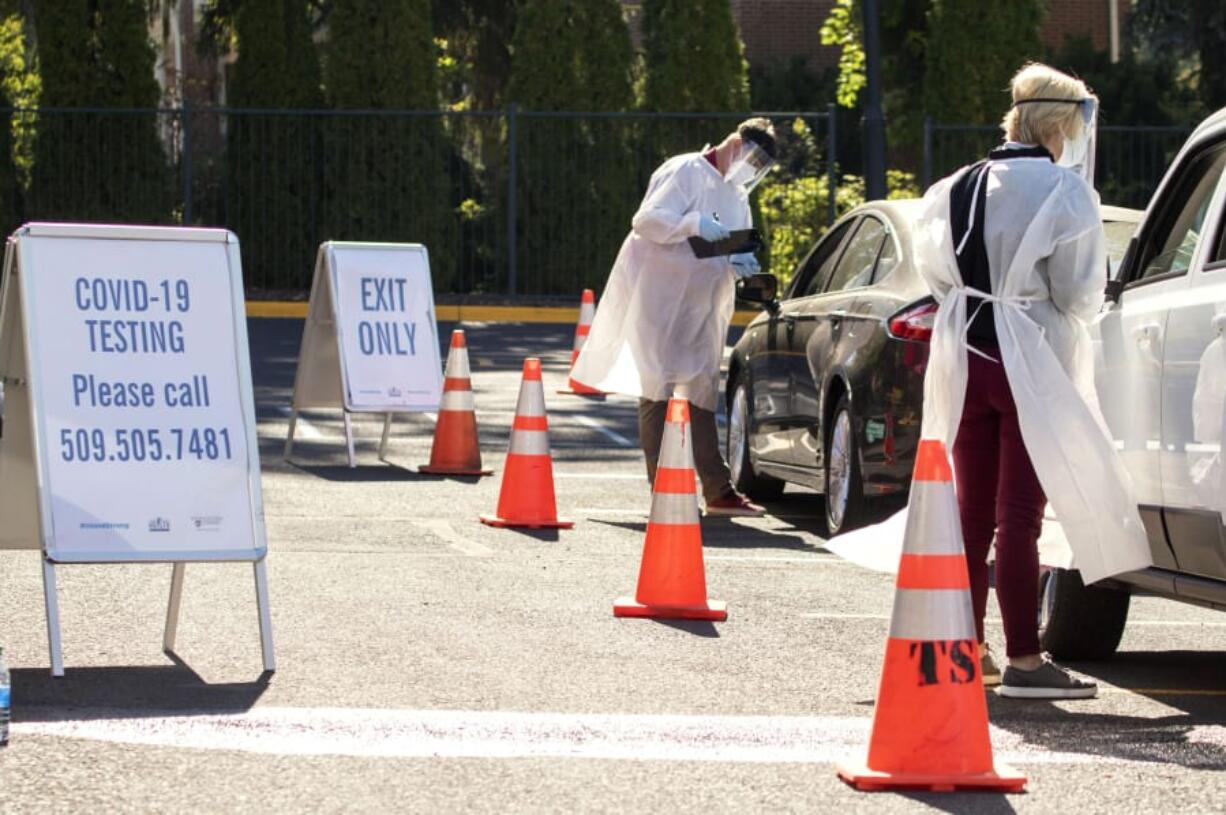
column 304, row 429
column 443, row 529
column 608, row 433
column 497, row 734
column 635, row 475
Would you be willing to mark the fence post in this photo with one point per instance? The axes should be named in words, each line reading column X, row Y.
column 927, row 171
column 512, row 198
column 832, row 147
column 186, row 159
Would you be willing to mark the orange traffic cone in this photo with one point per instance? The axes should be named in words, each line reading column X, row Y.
column 930, row 726
column 672, row 580
column 527, row 498
column 456, row 449
column 587, row 310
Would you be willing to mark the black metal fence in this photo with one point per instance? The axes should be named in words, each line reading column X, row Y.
column 509, row 203
column 1129, row 164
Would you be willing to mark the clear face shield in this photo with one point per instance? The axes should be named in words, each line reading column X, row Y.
column 749, row 167
column 1078, row 152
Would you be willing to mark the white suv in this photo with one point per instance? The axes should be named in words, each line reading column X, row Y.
column 1161, row 377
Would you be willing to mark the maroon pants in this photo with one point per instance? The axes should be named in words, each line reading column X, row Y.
column 999, row 495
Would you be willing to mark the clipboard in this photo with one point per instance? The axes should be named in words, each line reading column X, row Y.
column 740, row 241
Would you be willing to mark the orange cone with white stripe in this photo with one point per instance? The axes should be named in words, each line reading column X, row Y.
column 930, row 726
column 456, row 449
column 587, row 311
column 527, row 498
column 672, row 578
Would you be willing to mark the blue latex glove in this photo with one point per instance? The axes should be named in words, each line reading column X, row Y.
column 712, row 230
column 745, row 265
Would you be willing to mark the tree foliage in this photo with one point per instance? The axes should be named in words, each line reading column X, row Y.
column 272, row 162
column 1195, row 31
column 98, row 54
column 20, row 85
column 694, row 57
column 568, row 55
column 973, row 49
column 842, row 28
column 387, row 176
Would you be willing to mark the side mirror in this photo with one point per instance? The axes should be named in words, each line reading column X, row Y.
column 761, row 289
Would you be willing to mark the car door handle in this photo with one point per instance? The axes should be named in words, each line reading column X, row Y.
column 1219, row 324
column 1147, row 334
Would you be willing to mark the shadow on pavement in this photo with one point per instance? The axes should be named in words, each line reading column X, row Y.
column 699, row 628
column 367, row 472
column 987, row 803
column 133, row 691
column 1191, row 682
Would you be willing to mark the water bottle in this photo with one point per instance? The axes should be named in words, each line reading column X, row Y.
column 5, row 700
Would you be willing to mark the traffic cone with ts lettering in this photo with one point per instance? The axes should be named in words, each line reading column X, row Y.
column 672, row 579
column 527, row 498
column 587, row 311
column 930, row 726
column 456, row 449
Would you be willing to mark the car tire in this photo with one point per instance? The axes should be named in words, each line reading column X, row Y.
column 1077, row 621
column 740, row 466
column 845, row 501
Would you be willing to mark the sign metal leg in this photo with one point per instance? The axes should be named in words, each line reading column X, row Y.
column 172, row 608
column 261, row 601
column 387, row 432
column 53, row 619
column 349, row 438
column 289, row 439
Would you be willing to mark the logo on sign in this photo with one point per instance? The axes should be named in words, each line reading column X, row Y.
column 159, row 524
column 394, row 392
column 206, row 523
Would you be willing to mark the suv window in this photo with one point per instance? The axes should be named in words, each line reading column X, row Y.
column 817, row 266
column 855, row 268
column 888, row 259
column 1170, row 247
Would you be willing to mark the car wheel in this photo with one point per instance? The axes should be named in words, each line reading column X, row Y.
column 844, row 489
column 740, row 465
column 1077, row 621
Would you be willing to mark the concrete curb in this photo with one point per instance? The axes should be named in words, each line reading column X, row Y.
column 462, row 314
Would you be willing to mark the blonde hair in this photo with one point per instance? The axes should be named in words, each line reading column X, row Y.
column 1044, row 122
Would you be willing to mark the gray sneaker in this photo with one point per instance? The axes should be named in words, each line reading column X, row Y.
column 1048, row 681
column 987, row 666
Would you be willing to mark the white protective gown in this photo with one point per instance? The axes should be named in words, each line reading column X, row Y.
column 1047, row 261
column 663, row 318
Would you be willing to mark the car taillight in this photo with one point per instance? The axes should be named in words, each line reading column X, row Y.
column 914, row 323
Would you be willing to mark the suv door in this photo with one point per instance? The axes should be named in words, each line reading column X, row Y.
column 1194, row 374
column 824, row 324
column 1137, row 334
column 771, row 370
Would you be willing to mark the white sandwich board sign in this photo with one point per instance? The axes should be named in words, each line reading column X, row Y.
column 129, row 430
column 370, row 343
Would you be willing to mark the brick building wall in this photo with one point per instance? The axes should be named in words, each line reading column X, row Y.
column 776, row 31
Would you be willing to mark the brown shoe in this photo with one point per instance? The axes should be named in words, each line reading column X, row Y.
column 733, row 503
column 988, row 667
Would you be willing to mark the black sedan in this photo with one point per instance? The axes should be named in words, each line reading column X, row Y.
column 825, row 388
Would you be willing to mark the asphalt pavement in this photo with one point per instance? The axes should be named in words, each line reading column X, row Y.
column 428, row 663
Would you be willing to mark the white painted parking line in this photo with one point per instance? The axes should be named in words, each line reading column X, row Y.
column 817, row 560
column 496, row 734
column 602, row 476
column 304, row 429
column 818, row 615
column 608, row 433
column 443, row 529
